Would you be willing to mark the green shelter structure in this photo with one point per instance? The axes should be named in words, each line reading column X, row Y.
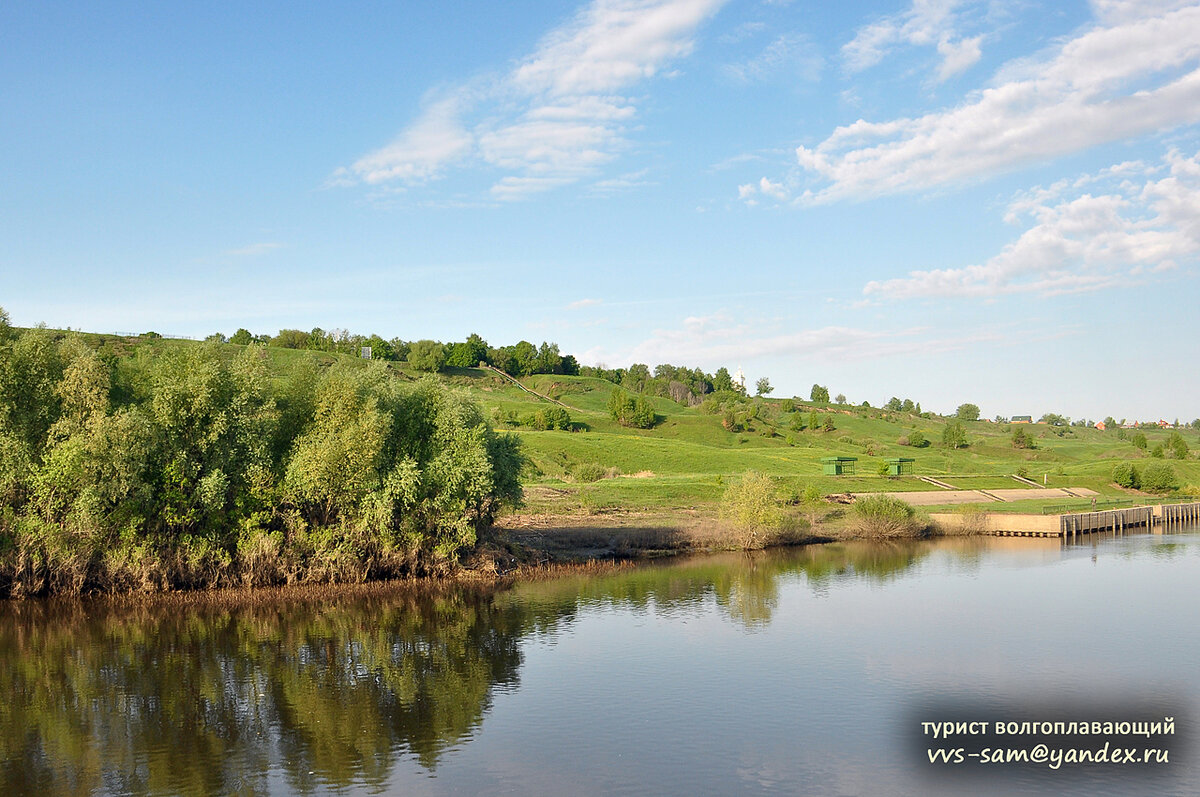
column 900, row 466
column 838, row 466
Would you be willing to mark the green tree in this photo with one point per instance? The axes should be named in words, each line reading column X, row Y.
column 380, row 348
column 1159, row 477
column 967, row 412
column 636, row 378
column 549, row 360
column 819, row 394
column 1020, row 439
column 1139, row 440
column 290, row 339
column 763, row 386
column 841, row 398
column 629, row 411
column 722, row 381
column 954, row 435
column 427, row 355
column 468, row 353
column 751, row 506
column 894, row 404
column 1054, row 419
column 1177, row 446
column 524, row 358
column 1126, row 475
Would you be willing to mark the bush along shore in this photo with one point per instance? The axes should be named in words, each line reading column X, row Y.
column 188, row 468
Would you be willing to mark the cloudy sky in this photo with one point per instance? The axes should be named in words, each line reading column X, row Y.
column 995, row 202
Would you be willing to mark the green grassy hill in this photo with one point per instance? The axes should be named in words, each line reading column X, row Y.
column 689, row 455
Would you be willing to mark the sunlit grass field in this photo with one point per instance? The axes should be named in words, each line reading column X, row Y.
column 688, row 458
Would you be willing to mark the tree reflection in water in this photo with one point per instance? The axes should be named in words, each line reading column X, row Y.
column 196, row 699
column 206, row 694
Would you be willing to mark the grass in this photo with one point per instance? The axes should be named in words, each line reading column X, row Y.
column 688, row 459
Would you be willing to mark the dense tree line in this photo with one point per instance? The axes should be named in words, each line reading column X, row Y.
column 679, row 383
column 520, row 359
column 179, row 467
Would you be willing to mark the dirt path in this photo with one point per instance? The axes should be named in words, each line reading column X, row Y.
column 934, row 497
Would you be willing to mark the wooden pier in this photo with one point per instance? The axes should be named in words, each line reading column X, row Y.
column 1071, row 525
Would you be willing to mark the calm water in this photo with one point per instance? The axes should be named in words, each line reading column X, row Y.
column 796, row 672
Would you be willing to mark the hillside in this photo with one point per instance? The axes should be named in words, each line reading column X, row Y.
column 688, row 457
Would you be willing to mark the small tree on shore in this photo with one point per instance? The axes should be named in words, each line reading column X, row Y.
column 750, row 505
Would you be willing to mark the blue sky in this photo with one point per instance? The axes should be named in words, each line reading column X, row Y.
column 994, row 202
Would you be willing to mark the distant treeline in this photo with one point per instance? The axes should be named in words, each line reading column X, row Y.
column 181, row 466
column 685, row 385
column 520, row 359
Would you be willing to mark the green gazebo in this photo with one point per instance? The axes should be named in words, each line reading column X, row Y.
column 838, row 466
column 900, row 466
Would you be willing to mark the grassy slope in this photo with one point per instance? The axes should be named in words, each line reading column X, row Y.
column 688, row 457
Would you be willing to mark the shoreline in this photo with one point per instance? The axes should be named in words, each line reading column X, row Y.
column 536, row 546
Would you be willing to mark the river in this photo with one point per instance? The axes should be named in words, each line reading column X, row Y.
column 801, row 671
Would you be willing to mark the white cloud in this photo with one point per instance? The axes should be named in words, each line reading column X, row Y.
column 718, row 339
column 958, row 56
column 771, row 189
column 436, row 139
column 581, row 303
column 622, row 182
column 557, row 115
column 1080, row 241
column 926, row 23
column 254, row 249
column 790, row 55
column 1107, row 84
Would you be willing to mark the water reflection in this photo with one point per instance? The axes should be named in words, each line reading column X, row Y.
column 365, row 689
column 187, row 699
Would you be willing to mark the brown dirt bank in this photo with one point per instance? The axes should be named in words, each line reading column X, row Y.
column 548, row 539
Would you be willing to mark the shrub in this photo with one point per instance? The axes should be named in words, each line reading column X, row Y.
column 588, row 471
column 914, row 438
column 427, row 355
column 1022, row 440
column 1177, row 446
column 955, row 435
column 751, row 506
column 886, row 516
column 548, row 418
column 629, row 411
column 1159, row 477
column 1125, row 474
